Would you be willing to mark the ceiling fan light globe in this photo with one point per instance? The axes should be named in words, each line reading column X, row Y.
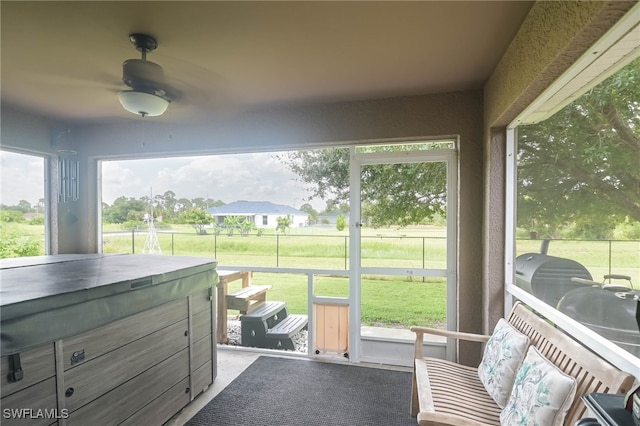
column 142, row 103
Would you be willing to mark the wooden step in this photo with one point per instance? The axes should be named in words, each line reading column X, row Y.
column 247, row 298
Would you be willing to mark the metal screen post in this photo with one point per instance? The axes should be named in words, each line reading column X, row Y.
column 345, row 253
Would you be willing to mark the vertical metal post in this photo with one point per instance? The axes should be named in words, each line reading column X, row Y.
column 610, row 258
column 346, row 250
column 424, row 279
column 172, row 243
column 277, row 250
column 133, row 241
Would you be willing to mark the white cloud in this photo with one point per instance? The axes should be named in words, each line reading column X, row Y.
column 118, row 181
column 253, row 177
column 22, row 178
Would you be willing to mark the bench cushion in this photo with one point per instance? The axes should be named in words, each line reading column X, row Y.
column 502, row 357
column 541, row 395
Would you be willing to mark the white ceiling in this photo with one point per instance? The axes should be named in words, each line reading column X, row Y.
column 64, row 59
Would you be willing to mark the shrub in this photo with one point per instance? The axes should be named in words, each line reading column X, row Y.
column 38, row 220
column 628, row 231
column 8, row 215
column 15, row 246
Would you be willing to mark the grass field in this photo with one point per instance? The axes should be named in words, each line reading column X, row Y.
column 385, row 302
column 390, row 301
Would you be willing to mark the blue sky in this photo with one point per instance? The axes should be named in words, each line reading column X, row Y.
column 252, row 177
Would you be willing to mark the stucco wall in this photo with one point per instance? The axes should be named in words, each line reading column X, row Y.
column 25, row 132
column 552, row 37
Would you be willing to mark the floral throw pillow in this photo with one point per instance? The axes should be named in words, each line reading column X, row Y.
column 501, row 360
column 541, row 395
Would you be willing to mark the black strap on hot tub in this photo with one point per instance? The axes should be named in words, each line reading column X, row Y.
column 15, row 368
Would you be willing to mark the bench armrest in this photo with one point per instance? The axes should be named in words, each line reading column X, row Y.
column 421, row 331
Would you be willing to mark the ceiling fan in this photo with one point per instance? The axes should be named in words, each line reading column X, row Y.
column 148, row 95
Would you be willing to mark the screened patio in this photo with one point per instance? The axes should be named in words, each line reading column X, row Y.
column 269, row 78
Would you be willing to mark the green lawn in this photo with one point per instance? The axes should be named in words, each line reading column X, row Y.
column 389, row 301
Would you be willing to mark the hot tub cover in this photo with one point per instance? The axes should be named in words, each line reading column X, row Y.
column 47, row 298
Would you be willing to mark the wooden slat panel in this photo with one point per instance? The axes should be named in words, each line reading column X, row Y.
column 202, row 351
column 96, row 342
column 100, row 375
column 201, row 301
column 62, row 404
column 201, row 379
column 37, row 364
column 134, row 394
column 469, row 400
column 162, row 408
column 201, row 325
column 331, row 328
column 41, row 396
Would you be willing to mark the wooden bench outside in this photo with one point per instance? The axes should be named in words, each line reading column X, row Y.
column 223, row 284
column 247, row 298
column 447, row 393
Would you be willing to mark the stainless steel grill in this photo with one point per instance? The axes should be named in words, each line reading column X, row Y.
column 548, row 277
column 611, row 312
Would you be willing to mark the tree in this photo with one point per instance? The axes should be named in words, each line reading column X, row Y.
column 581, row 167
column 198, row 219
column 182, row 205
column 204, row 204
column 24, row 206
column 284, row 222
column 313, row 214
column 392, row 194
column 246, row 226
column 231, row 223
column 168, row 202
column 341, row 223
column 124, row 209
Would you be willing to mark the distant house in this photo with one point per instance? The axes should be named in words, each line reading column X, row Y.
column 263, row 213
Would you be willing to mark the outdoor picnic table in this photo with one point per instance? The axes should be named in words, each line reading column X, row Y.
column 225, row 277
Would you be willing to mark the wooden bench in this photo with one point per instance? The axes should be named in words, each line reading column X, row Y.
column 447, row 393
column 223, row 284
column 247, row 298
column 280, row 336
